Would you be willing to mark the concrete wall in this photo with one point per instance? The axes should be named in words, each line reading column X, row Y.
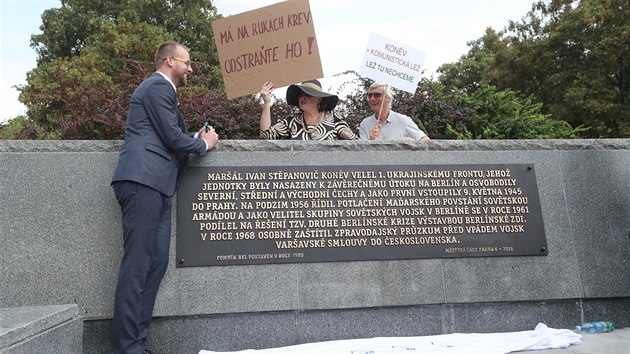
column 61, row 237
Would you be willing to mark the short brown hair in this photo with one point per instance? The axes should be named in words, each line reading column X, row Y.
column 165, row 50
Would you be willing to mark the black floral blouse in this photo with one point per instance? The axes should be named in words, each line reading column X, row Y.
column 293, row 127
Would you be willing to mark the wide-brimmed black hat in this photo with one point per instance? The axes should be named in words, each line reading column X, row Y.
column 311, row 88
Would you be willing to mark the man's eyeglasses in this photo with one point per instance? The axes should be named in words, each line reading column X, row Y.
column 187, row 62
column 375, row 95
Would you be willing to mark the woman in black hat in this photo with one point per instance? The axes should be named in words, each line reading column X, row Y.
column 315, row 121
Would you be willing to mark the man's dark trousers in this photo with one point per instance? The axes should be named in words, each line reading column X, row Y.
column 146, row 223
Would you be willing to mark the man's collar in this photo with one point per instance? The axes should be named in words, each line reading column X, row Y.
column 389, row 113
column 167, row 79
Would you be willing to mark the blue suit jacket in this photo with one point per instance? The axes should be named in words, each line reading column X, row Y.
column 157, row 142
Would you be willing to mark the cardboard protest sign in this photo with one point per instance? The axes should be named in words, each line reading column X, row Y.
column 390, row 62
column 273, row 43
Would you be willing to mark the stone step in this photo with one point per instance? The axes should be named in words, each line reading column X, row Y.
column 41, row 329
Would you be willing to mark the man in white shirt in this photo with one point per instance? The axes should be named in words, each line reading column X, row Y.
column 386, row 124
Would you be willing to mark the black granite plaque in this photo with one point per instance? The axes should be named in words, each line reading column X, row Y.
column 286, row 214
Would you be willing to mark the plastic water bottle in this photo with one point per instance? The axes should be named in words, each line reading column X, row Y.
column 595, row 327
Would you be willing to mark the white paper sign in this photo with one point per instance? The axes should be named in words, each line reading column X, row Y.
column 393, row 63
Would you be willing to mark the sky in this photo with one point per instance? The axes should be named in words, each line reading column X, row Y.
column 440, row 28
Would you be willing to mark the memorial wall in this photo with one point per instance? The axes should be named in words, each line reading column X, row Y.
column 279, row 242
column 283, row 214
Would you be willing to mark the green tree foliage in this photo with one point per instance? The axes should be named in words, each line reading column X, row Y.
column 86, row 96
column 353, row 107
column 68, row 30
column 436, row 112
column 91, row 55
column 481, row 113
column 504, row 115
column 475, row 67
column 572, row 56
column 233, row 119
column 442, row 114
column 21, row 128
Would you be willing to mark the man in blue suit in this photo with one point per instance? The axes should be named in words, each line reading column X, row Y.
column 156, row 149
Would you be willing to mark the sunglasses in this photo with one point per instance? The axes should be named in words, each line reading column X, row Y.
column 375, row 95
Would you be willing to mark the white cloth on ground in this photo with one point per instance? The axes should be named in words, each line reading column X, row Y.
column 542, row 337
